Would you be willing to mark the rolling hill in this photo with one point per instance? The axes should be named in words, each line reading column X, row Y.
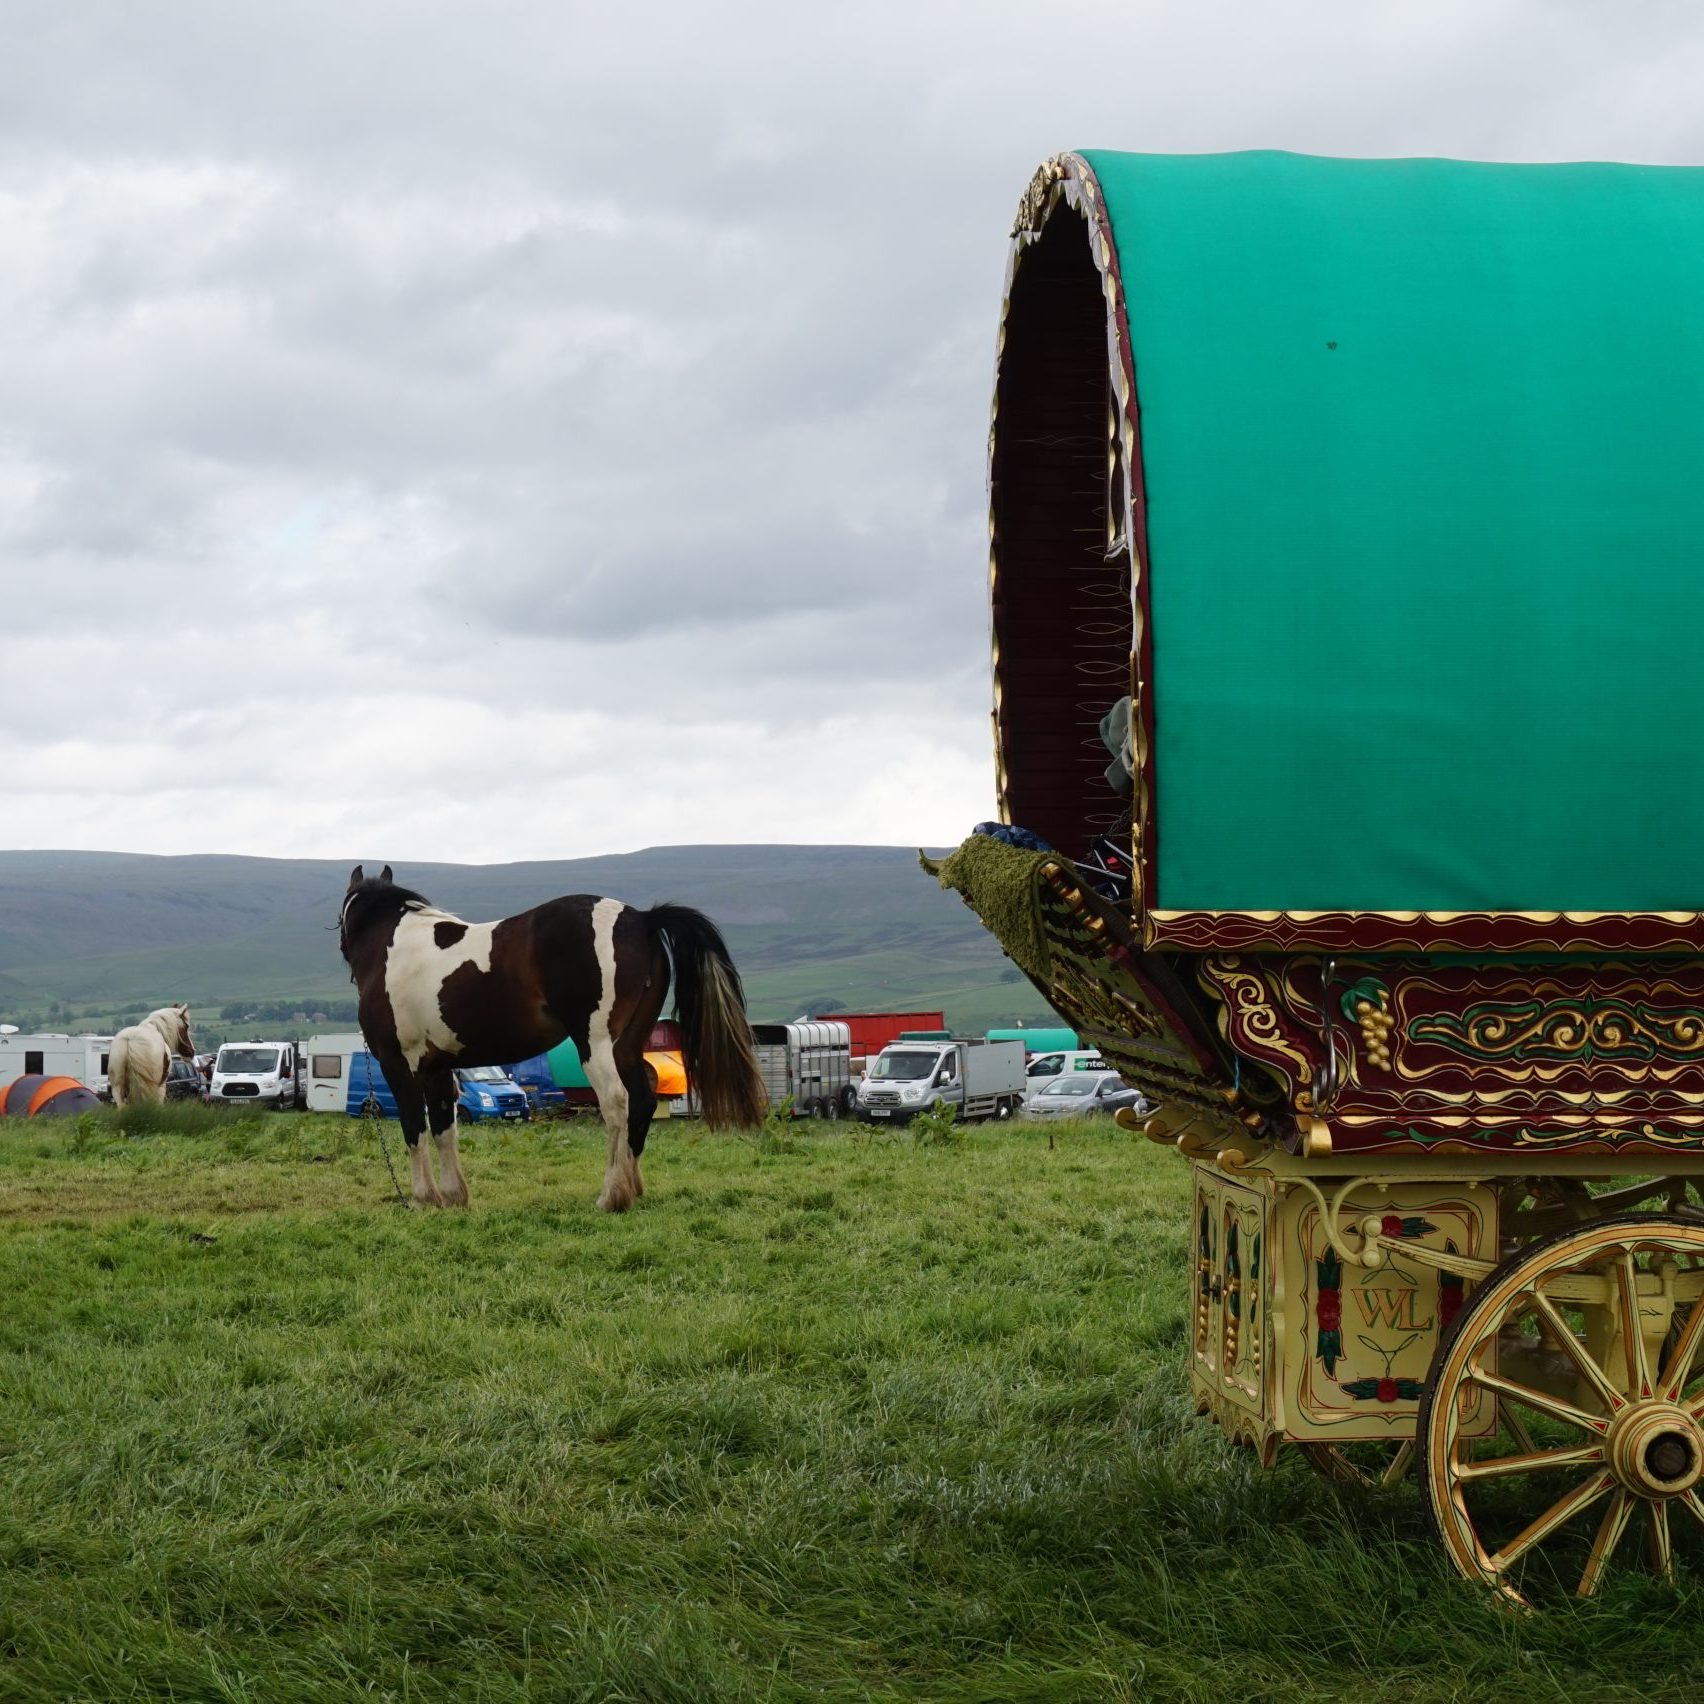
column 102, row 934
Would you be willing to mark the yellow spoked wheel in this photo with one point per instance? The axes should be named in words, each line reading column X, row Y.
column 1565, row 1412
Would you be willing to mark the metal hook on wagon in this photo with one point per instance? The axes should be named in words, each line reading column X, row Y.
column 1328, row 1079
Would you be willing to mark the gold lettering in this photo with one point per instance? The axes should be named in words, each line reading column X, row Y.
column 1392, row 1308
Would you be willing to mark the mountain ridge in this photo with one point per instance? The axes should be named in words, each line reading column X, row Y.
column 104, row 932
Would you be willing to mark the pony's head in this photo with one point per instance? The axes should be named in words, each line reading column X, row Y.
column 367, row 899
column 174, row 1026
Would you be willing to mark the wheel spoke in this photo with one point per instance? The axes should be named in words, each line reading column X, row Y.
column 1660, row 1545
column 1534, row 1461
column 1694, row 1506
column 1577, row 1352
column 1609, row 1532
column 1540, row 1400
column 1638, row 1369
column 1679, row 1368
column 1581, row 1497
column 1510, row 1416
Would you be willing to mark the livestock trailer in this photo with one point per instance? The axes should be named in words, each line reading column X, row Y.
column 1347, row 584
column 809, row 1062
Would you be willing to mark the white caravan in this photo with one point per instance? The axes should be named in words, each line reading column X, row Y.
column 84, row 1057
column 330, row 1061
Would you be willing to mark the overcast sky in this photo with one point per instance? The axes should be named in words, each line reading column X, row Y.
column 518, row 429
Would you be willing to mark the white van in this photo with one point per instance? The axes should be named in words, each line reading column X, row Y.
column 261, row 1073
column 1047, row 1068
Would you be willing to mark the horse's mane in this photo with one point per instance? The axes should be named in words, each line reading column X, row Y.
column 359, row 913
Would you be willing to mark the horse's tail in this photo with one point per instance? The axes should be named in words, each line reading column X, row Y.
column 710, row 1004
column 118, row 1068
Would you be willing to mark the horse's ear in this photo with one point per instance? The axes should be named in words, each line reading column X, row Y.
column 385, row 874
column 355, row 876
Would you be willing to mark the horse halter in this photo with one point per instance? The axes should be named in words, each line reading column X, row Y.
column 343, row 922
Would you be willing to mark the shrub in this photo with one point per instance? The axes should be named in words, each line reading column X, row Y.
column 939, row 1127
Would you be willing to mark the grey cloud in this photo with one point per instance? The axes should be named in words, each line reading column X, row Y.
column 419, row 368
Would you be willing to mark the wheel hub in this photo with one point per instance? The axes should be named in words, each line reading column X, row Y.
column 1656, row 1449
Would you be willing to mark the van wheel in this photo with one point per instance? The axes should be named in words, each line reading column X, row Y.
column 1002, row 1110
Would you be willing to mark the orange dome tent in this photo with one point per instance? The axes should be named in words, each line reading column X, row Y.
column 46, row 1097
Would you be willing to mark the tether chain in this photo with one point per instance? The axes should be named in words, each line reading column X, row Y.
column 370, row 1108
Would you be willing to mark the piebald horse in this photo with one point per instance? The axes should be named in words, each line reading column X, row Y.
column 140, row 1057
column 437, row 992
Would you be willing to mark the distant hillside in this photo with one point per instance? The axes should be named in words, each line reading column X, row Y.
column 103, row 933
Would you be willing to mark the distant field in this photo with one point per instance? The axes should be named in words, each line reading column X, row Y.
column 841, row 1417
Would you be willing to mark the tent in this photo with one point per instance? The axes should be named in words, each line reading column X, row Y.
column 38, row 1096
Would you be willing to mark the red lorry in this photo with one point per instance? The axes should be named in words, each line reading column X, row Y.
column 872, row 1031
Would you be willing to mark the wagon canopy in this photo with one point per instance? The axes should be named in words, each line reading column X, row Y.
column 1381, row 485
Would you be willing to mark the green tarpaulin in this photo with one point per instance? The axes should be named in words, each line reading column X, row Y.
column 566, row 1071
column 1424, row 449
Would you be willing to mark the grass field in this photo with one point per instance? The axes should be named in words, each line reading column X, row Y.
column 837, row 1417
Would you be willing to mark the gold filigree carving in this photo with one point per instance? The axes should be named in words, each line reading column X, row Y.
column 1564, row 1030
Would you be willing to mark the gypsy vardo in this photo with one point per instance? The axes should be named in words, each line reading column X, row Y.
column 1347, row 572
column 437, row 992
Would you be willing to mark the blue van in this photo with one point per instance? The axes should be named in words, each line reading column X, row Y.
column 485, row 1091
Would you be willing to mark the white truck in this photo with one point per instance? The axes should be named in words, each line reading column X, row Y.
column 257, row 1073
column 81, row 1056
column 979, row 1079
column 811, row 1061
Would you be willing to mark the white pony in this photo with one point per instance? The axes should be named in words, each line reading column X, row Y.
column 141, row 1057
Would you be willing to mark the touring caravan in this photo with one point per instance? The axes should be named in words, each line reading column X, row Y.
column 81, row 1056
column 344, row 1077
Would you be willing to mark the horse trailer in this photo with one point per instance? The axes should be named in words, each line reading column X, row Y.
column 811, row 1062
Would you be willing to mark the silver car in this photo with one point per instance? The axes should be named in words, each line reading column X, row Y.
column 1084, row 1094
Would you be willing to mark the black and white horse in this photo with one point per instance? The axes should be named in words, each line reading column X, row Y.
column 437, row 992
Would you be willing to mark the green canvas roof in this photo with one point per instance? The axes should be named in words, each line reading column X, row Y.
column 1423, row 444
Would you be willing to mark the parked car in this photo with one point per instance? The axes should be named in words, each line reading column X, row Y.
column 184, row 1082
column 1083, row 1094
column 1044, row 1069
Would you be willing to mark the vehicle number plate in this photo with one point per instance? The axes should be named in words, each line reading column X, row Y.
column 881, row 1112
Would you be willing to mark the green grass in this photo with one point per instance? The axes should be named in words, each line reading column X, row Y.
column 840, row 1416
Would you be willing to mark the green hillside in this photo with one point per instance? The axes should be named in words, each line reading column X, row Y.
column 87, row 936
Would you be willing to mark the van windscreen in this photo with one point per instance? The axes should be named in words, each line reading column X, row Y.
column 247, row 1061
